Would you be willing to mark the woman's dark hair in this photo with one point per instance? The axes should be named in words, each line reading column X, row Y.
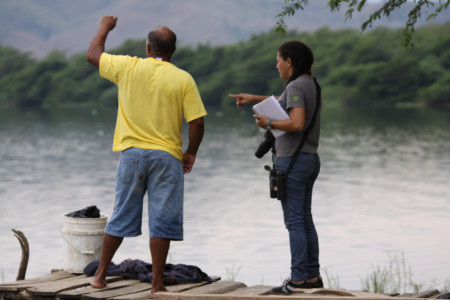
column 301, row 57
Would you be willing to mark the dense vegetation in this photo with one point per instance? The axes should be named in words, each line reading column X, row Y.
column 370, row 69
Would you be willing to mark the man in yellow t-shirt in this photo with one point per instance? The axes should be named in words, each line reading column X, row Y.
column 154, row 96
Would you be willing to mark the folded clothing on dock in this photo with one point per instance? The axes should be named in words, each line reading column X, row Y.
column 138, row 269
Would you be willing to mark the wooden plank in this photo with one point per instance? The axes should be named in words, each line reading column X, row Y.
column 427, row 294
column 363, row 294
column 138, row 287
column 302, row 296
column 78, row 292
column 23, row 284
column 185, row 286
column 20, row 295
column 253, row 290
column 220, row 287
column 50, row 289
column 171, row 288
column 181, row 296
column 135, row 296
column 329, row 292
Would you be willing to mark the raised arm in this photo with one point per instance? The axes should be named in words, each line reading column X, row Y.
column 196, row 130
column 97, row 46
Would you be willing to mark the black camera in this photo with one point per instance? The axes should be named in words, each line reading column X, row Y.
column 267, row 144
column 277, row 182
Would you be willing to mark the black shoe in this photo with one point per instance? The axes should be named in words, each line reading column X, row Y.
column 316, row 284
column 288, row 287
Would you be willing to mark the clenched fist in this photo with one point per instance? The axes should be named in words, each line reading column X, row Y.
column 108, row 22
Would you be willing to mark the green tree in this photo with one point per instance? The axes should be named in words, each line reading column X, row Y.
column 358, row 69
column 13, row 69
column 389, row 6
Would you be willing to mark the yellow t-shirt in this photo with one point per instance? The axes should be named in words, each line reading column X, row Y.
column 153, row 96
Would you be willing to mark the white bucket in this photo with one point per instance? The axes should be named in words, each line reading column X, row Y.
column 83, row 241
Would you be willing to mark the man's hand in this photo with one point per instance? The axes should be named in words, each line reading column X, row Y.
column 108, row 22
column 188, row 162
column 196, row 130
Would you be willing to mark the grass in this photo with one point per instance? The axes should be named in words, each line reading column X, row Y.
column 332, row 280
column 232, row 273
column 396, row 278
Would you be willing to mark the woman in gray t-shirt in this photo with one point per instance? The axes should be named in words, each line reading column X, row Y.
column 299, row 100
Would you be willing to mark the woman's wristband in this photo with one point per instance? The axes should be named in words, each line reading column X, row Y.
column 269, row 124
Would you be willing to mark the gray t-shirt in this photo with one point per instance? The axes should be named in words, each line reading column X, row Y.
column 300, row 92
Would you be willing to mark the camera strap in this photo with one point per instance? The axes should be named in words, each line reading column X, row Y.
column 308, row 129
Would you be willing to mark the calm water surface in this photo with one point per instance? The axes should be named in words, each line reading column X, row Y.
column 383, row 191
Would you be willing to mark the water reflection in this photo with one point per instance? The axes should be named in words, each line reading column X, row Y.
column 382, row 190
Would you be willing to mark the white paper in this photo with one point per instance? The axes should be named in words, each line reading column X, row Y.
column 271, row 108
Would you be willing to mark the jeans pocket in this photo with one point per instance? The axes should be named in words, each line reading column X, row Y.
column 126, row 171
column 282, row 163
column 169, row 170
column 305, row 167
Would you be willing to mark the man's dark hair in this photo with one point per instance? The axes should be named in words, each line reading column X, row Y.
column 301, row 57
column 162, row 42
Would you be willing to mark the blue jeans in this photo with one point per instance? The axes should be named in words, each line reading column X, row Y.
column 298, row 219
column 160, row 175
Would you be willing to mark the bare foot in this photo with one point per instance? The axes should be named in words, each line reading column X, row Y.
column 155, row 290
column 98, row 283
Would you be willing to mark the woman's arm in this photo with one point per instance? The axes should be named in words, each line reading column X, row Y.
column 296, row 121
column 244, row 98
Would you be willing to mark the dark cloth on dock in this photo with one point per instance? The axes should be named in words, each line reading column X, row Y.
column 88, row 212
column 138, row 269
column 91, row 268
column 444, row 296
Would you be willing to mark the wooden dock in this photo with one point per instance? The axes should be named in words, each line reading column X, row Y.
column 64, row 285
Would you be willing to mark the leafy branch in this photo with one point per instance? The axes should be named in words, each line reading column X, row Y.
column 291, row 6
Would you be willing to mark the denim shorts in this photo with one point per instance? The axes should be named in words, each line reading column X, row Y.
column 160, row 175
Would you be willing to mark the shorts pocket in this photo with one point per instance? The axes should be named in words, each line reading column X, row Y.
column 170, row 170
column 126, row 171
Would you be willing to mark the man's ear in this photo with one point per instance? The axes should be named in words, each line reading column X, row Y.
column 148, row 50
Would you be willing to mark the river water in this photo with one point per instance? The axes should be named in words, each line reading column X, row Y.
column 383, row 192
